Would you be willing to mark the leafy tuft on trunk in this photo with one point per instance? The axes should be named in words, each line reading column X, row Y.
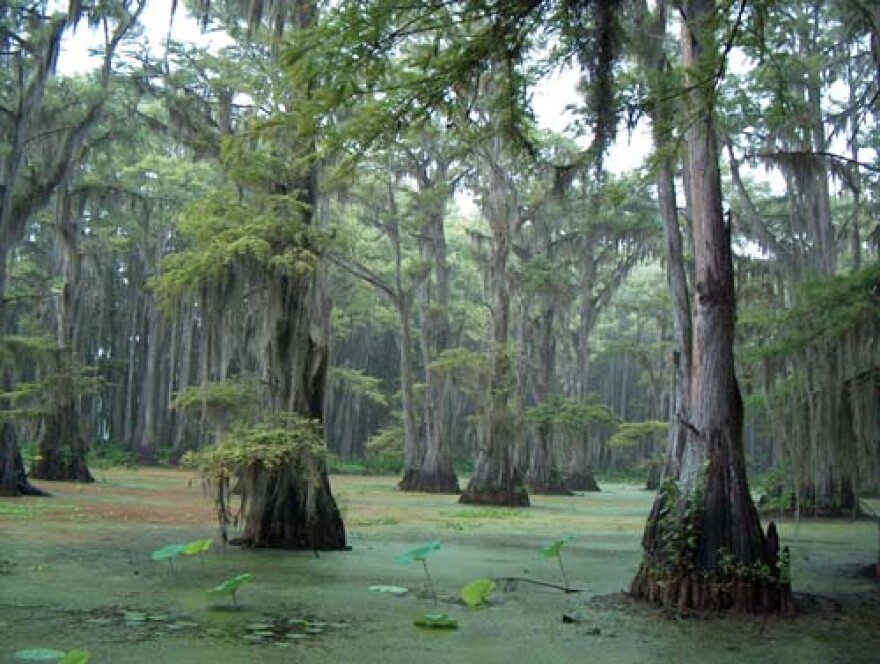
column 279, row 474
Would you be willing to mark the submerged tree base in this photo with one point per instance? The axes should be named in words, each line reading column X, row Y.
column 547, row 483
column 13, row 478
column 549, row 488
column 583, row 481
column 62, row 450
column 700, row 592
column 283, row 486
column 430, row 482
column 514, row 494
column 58, row 469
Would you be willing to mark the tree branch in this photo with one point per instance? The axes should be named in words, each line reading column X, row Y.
column 821, row 155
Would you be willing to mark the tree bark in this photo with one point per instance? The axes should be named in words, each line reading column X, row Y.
column 496, row 480
column 703, row 543
column 544, row 475
column 436, row 474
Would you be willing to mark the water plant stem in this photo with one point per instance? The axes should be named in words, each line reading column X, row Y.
column 562, row 571
column 430, row 582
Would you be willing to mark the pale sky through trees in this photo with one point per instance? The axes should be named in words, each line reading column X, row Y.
column 550, row 98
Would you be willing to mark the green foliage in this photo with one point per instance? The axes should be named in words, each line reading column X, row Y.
column 826, row 311
column 357, row 381
column 338, row 466
column 436, row 621
column 111, row 454
column 571, row 416
column 265, row 234
column 778, row 490
column 171, row 552
column 231, row 586
column 226, row 396
column 419, row 553
column 168, row 552
column 76, row 657
column 629, row 434
column 26, row 347
column 263, row 447
column 197, row 547
column 554, row 548
column 678, row 530
column 463, row 366
column 384, row 451
column 477, row 592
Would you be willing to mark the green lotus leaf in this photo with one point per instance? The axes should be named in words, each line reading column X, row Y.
column 477, row 592
column 436, row 621
column 167, row 552
column 196, row 547
column 76, row 657
column 553, row 549
column 39, row 654
column 418, row 553
column 230, row 586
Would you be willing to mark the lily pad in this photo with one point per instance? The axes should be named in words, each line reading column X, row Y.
column 231, row 586
column 296, row 636
column 39, row 654
column 418, row 553
column 391, row 590
column 168, row 552
column 196, row 547
column 477, row 592
column 76, row 657
column 553, row 549
column 436, row 621
column 135, row 616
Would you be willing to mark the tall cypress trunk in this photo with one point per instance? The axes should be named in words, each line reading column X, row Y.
column 182, row 379
column 653, row 57
column 38, row 54
column 496, row 480
column 544, row 475
column 579, row 473
column 436, row 474
column 144, row 442
column 413, row 449
column 296, row 361
column 703, row 543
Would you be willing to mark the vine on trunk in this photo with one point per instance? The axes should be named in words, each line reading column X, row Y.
column 671, row 572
